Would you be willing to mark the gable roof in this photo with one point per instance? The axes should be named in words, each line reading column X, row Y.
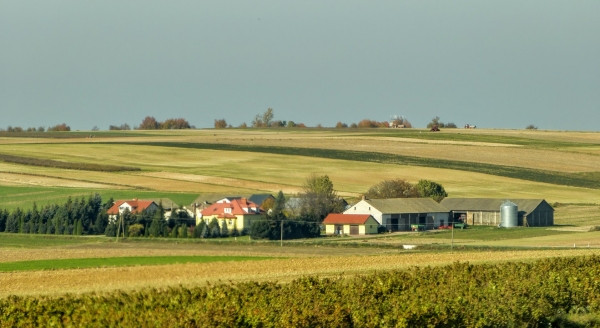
column 260, row 198
column 490, row 204
column 137, row 206
column 210, row 198
column 406, row 205
column 236, row 207
column 346, row 218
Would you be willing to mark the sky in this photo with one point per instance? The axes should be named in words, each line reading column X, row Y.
column 494, row 64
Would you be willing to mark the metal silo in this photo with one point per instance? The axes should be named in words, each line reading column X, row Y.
column 509, row 215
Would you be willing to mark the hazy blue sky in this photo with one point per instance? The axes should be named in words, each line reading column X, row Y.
column 500, row 64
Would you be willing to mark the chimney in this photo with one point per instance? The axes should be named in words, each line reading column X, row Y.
column 363, row 197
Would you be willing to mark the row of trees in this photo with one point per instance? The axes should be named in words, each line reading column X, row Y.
column 55, row 128
column 400, row 188
column 75, row 217
column 436, row 122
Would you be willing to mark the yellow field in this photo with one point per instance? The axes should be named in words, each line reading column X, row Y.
column 297, row 262
column 201, row 171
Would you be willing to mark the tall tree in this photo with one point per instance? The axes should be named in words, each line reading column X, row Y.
column 431, row 189
column 318, row 198
column 268, row 117
column 149, row 123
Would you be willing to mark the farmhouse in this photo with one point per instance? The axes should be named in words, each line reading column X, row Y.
column 486, row 211
column 399, row 214
column 350, row 224
column 235, row 212
column 134, row 206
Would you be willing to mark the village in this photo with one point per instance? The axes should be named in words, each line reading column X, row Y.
column 365, row 217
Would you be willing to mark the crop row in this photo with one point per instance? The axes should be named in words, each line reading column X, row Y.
column 64, row 165
column 535, row 294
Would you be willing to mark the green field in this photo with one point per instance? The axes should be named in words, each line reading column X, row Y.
column 84, row 263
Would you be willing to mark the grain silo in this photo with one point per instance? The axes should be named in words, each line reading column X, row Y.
column 509, row 215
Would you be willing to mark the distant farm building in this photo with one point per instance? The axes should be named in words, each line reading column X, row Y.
column 134, row 206
column 486, row 211
column 350, row 224
column 401, row 214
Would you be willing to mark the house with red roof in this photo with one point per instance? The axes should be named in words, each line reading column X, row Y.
column 235, row 212
column 134, row 206
column 350, row 224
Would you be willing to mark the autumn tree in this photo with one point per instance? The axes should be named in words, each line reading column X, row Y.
column 149, row 123
column 318, row 198
column 396, row 188
column 220, row 124
column 59, row 128
column 175, row 123
column 436, row 122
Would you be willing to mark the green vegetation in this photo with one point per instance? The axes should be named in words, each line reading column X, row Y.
column 117, row 262
column 584, row 180
column 64, row 165
column 9, row 240
column 550, row 292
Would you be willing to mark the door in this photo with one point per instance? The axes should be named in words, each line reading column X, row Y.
column 354, row 230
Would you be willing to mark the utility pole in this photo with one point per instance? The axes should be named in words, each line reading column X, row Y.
column 452, row 244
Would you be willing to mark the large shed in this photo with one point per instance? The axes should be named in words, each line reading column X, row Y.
column 486, row 211
column 350, row 224
column 399, row 214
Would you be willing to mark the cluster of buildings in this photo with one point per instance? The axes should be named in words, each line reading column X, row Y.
column 405, row 214
column 364, row 217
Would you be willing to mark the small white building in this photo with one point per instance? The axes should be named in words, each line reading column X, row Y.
column 399, row 214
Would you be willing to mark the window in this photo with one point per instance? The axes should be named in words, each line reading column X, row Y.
column 355, row 208
column 369, row 208
column 230, row 222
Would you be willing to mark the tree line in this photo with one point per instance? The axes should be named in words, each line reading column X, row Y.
column 56, row 128
column 79, row 216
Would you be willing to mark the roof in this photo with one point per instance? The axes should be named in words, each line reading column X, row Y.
column 137, row 206
column 210, row 198
column 236, row 207
column 166, row 203
column 259, row 198
column 346, row 218
column 406, row 205
column 489, row 204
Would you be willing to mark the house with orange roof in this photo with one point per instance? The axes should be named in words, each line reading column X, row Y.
column 235, row 212
column 350, row 224
column 134, row 206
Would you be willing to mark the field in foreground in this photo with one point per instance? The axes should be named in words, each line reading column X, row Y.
column 548, row 292
column 276, row 263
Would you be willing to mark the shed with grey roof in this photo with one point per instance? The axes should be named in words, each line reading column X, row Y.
column 486, row 211
column 399, row 214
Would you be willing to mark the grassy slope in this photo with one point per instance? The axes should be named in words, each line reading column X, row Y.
column 584, row 180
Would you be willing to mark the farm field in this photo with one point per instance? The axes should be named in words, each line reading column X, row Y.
column 560, row 167
column 189, row 162
column 276, row 263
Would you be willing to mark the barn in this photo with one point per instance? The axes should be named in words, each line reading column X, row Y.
column 486, row 211
column 401, row 214
column 350, row 224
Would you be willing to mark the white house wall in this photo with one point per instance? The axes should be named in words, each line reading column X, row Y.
column 363, row 207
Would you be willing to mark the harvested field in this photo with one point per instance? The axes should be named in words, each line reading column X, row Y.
column 14, row 179
column 130, row 278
